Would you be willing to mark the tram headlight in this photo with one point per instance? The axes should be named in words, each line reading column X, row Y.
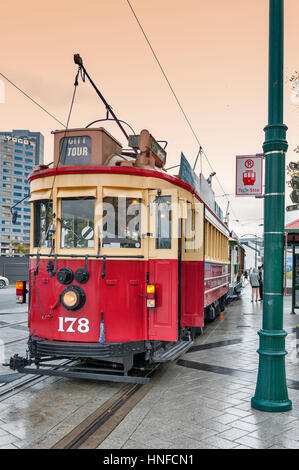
column 72, row 298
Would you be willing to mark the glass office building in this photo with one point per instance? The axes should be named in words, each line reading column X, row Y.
column 20, row 150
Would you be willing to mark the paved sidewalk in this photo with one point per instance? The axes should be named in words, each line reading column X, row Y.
column 203, row 400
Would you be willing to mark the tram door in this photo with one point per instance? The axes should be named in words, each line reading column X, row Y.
column 163, row 264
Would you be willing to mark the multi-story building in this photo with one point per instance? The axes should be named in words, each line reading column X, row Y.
column 20, row 150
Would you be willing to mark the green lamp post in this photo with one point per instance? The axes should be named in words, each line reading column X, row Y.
column 271, row 390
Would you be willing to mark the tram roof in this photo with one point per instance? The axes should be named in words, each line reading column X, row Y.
column 67, row 170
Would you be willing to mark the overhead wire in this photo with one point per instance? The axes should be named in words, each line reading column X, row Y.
column 175, row 95
column 31, row 99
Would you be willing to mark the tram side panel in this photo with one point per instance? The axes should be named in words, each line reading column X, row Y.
column 163, row 320
column 192, row 272
column 216, row 266
column 192, row 294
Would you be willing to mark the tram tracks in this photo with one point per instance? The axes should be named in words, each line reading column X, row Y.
column 23, row 382
column 92, row 431
column 9, row 325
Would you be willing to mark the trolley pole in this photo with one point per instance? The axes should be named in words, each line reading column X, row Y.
column 271, row 390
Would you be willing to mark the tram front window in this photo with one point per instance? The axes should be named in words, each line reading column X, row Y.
column 121, row 222
column 77, row 223
column 42, row 219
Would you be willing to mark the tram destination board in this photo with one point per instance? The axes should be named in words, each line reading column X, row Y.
column 75, row 150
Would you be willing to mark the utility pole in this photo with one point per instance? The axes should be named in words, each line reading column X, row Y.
column 255, row 252
column 271, row 390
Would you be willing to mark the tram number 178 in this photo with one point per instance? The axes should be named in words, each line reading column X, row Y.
column 75, row 324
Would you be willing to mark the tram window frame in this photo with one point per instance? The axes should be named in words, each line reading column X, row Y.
column 163, row 243
column 195, row 235
column 37, row 228
column 77, row 236
column 120, row 239
column 190, row 230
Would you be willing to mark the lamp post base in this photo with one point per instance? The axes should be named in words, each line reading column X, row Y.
column 271, row 392
column 265, row 405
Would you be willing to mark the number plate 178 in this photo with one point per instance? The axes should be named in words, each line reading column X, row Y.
column 72, row 325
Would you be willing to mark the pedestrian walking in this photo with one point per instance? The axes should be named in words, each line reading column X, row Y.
column 255, row 284
column 245, row 277
column 261, row 279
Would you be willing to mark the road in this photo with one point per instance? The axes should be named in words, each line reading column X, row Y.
column 8, row 301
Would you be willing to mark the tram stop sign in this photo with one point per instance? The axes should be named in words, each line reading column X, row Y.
column 249, row 175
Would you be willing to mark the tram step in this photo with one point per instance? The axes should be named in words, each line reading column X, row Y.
column 172, row 353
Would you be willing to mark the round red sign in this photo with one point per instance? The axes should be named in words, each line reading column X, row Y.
column 249, row 163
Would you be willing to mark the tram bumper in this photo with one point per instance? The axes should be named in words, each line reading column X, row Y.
column 41, row 347
column 83, row 360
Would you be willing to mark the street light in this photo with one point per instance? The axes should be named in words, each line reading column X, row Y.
column 271, row 393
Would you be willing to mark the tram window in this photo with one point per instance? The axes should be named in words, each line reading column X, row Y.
column 190, row 230
column 42, row 218
column 77, row 226
column 121, row 222
column 163, row 223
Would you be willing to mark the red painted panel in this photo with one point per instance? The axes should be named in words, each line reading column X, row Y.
column 163, row 320
column 215, row 282
column 125, row 313
column 192, row 293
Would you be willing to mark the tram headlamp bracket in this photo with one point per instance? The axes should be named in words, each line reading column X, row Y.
column 65, row 276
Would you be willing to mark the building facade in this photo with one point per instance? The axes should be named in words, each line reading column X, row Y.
column 254, row 251
column 20, row 150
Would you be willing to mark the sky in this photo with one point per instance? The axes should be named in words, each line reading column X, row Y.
column 214, row 53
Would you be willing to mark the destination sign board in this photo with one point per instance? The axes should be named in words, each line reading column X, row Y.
column 144, row 141
column 188, row 175
column 249, row 175
column 75, row 150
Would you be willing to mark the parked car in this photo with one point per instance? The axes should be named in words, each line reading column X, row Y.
column 3, row 282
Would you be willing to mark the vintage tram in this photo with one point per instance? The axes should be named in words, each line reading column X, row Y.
column 126, row 261
column 236, row 266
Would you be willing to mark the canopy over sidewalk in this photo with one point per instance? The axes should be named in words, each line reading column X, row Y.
column 292, row 231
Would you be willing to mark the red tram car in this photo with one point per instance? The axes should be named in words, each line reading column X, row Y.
column 126, row 262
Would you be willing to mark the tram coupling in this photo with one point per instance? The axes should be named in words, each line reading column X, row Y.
column 18, row 363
